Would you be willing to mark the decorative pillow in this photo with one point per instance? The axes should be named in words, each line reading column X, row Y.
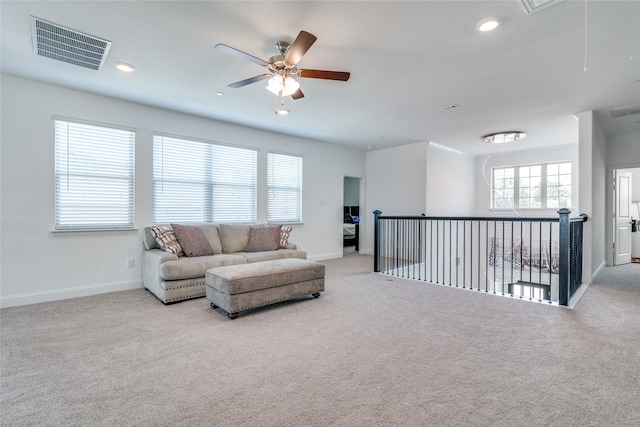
column 234, row 238
column 167, row 239
column 192, row 239
column 263, row 239
column 285, row 232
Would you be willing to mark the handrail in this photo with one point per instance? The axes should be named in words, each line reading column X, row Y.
column 431, row 244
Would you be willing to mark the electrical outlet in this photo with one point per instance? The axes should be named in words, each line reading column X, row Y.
column 130, row 263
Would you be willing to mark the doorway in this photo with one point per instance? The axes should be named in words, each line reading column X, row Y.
column 351, row 215
column 626, row 213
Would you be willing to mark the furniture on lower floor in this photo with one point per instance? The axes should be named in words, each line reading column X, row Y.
column 235, row 288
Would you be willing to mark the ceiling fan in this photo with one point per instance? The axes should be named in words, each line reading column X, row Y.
column 283, row 69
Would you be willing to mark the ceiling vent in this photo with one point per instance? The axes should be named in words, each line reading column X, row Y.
column 66, row 45
column 628, row 111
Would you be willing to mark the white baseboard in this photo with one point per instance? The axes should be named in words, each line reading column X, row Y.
column 321, row 257
column 598, row 270
column 60, row 294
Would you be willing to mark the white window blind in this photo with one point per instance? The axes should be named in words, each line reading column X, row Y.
column 94, row 168
column 284, row 188
column 196, row 181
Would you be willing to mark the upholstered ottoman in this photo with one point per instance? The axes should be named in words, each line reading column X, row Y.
column 235, row 288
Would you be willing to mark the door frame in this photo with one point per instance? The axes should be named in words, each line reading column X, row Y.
column 361, row 201
column 610, row 200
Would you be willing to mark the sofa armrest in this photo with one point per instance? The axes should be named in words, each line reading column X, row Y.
column 151, row 261
column 291, row 246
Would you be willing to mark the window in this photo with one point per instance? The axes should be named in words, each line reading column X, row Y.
column 544, row 186
column 284, row 188
column 94, row 167
column 559, row 185
column 195, row 181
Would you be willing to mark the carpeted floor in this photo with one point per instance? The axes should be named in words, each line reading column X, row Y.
column 373, row 350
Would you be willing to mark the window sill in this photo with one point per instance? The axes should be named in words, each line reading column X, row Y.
column 93, row 232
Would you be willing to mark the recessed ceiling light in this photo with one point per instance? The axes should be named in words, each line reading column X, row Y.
column 281, row 112
column 123, row 66
column 449, row 107
column 219, row 93
column 488, row 24
column 503, row 137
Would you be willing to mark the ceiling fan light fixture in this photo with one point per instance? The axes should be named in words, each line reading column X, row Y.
column 275, row 85
column 284, row 86
column 503, row 137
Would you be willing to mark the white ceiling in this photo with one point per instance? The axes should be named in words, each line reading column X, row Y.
column 407, row 60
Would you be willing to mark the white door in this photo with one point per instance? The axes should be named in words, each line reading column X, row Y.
column 622, row 242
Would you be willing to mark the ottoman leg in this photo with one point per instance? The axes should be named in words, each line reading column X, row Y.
column 316, row 295
column 213, row 305
column 232, row 315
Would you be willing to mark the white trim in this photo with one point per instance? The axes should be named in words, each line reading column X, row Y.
column 92, row 231
column 332, row 255
column 92, row 123
column 573, row 301
column 61, row 294
column 598, row 270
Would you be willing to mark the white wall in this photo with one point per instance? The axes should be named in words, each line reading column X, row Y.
column 504, row 157
column 351, row 191
column 450, row 188
column 623, row 150
column 414, row 179
column 396, row 185
column 36, row 266
column 592, row 193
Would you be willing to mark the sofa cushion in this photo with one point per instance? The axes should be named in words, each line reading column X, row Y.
column 166, row 239
column 285, row 232
column 189, row 268
column 263, row 239
column 211, row 231
column 192, row 239
column 234, row 238
column 271, row 255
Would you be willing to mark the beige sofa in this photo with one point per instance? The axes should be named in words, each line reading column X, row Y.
column 172, row 277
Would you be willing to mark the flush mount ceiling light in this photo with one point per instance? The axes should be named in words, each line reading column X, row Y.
column 503, row 137
column 488, row 24
column 123, row 66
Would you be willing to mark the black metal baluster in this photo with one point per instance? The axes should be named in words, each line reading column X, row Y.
column 511, row 278
column 464, row 253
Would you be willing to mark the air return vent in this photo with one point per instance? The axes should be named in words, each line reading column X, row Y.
column 66, row 45
column 628, row 111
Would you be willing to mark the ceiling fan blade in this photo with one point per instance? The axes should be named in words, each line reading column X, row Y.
column 300, row 46
column 241, row 54
column 245, row 82
column 322, row 74
column 297, row 94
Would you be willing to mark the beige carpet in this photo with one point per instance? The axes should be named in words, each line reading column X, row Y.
column 373, row 350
